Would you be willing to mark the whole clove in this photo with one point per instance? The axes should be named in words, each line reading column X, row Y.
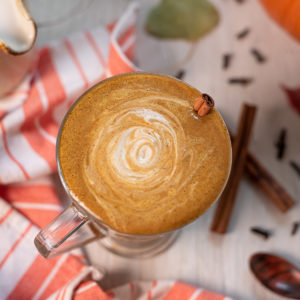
column 227, row 57
column 180, row 74
column 295, row 228
column 242, row 34
column 260, row 58
column 264, row 233
column 240, row 80
column 295, row 166
column 281, row 144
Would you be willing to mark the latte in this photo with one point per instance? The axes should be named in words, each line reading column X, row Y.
column 134, row 152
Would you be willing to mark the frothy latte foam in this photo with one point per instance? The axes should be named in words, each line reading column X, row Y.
column 134, row 152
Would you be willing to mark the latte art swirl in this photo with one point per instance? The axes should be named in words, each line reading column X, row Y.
column 138, row 151
column 133, row 152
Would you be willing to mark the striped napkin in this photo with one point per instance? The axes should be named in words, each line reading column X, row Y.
column 29, row 121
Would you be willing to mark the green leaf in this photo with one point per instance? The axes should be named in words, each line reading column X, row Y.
column 182, row 19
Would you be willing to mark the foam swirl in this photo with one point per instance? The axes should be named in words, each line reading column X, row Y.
column 139, row 157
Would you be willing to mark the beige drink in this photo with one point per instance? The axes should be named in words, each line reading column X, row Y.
column 134, row 152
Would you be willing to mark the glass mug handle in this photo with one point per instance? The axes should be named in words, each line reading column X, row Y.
column 67, row 232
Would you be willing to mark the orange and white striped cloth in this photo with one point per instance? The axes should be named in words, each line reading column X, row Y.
column 29, row 121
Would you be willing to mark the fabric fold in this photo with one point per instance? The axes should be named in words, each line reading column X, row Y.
column 29, row 121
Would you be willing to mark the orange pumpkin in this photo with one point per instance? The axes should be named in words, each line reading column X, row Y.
column 286, row 13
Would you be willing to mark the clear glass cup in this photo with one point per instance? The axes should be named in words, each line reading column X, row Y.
column 77, row 225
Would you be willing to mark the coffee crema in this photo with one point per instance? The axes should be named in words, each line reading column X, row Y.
column 134, row 152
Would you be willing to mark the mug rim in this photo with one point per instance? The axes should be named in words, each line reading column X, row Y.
column 81, row 203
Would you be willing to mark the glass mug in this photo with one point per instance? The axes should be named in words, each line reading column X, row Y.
column 77, row 225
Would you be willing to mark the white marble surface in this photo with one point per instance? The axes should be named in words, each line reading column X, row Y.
column 201, row 258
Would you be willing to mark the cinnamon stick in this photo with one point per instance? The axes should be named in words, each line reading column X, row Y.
column 204, row 105
column 267, row 183
column 239, row 155
column 272, row 189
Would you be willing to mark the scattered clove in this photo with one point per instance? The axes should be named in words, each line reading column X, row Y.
column 227, row 57
column 264, row 233
column 243, row 33
column 240, row 80
column 280, row 144
column 260, row 58
column 295, row 228
column 180, row 74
